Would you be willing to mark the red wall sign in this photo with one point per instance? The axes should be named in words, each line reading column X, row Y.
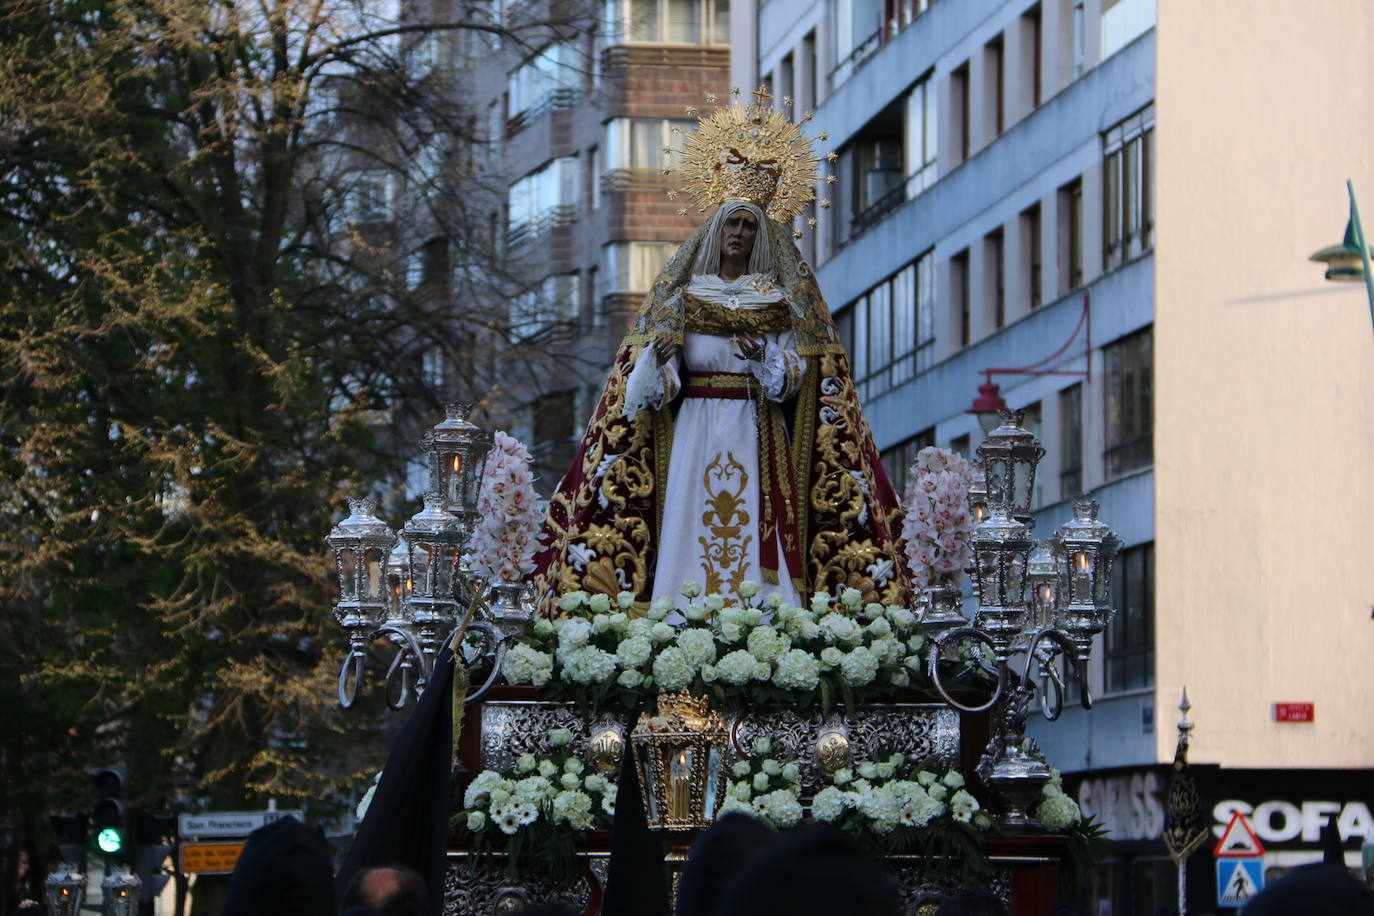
column 1295, row 712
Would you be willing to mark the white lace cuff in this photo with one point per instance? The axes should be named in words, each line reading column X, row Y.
column 771, row 371
column 643, row 385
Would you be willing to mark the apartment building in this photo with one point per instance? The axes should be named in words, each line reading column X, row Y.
column 575, row 127
column 1090, row 194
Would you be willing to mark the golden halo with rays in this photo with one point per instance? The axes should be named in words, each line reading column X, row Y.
column 749, row 152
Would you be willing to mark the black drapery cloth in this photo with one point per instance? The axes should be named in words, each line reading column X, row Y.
column 407, row 821
column 636, row 883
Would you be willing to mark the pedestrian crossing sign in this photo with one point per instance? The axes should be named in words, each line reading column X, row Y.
column 1239, row 880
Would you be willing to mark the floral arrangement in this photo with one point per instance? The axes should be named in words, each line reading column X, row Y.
column 536, row 812
column 836, row 649
column 938, row 522
column 765, row 788
column 507, row 534
column 1057, row 811
column 902, row 805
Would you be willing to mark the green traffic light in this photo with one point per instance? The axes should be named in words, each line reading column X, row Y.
column 109, row 840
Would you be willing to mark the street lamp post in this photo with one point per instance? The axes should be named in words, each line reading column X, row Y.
column 1349, row 261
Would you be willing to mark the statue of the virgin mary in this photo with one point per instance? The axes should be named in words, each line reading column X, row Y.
column 728, row 445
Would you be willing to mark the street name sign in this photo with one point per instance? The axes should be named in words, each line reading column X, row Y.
column 1239, row 880
column 209, row 858
column 229, row 823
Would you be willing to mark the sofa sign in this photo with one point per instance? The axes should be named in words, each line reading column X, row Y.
column 1279, row 821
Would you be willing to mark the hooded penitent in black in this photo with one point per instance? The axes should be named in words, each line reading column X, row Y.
column 407, row 821
column 285, row 870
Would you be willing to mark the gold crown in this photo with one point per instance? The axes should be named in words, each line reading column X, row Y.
column 750, row 152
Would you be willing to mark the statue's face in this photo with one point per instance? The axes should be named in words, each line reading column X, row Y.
column 737, row 236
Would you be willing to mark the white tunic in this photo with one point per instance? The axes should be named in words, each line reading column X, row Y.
column 709, row 533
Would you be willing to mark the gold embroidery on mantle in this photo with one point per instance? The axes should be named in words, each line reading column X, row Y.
column 723, row 556
column 704, row 317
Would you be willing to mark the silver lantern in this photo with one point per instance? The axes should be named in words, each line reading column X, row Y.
column 455, row 450
column 120, row 891
column 63, row 890
column 1087, row 551
column 434, row 540
column 1010, row 455
column 361, row 543
column 1001, row 551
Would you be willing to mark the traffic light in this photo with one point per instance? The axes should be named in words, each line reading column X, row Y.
column 153, row 830
column 107, row 814
column 71, row 832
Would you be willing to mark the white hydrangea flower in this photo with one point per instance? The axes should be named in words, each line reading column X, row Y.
column 885, row 770
column 574, row 808
column 797, row 669
column 781, row 807
column 734, row 804
column 633, row 651
column 588, row 665
column 479, row 790
column 737, row 667
column 859, row 667
column 766, row 643
column 1058, row 811
column 534, row 789
column 673, row 670
column 638, row 627
column 698, row 645
column 522, row 662
column 828, row 805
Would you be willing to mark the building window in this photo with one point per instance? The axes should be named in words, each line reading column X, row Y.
column 639, row 143
column 595, row 166
column 1130, row 403
column 370, row 195
column 897, row 461
column 962, row 446
column 1031, row 35
column 959, row 108
column 632, row 266
column 1030, row 255
column 958, row 283
column 555, row 300
column 996, row 95
column 994, row 248
column 890, row 330
column 920, row 150
column 1130, row 655
column 898, row 14
column 1071, row 236
column 545, row 197
column 1128, row 189
column 1033, row 419
column 1071, row 442
column 684, row 22
column 549, row 79
column 1080, row 45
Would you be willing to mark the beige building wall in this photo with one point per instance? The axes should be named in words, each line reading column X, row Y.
column 1264, row 380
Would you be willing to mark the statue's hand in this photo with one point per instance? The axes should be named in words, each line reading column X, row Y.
column 750, row 348
column 665, row 350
